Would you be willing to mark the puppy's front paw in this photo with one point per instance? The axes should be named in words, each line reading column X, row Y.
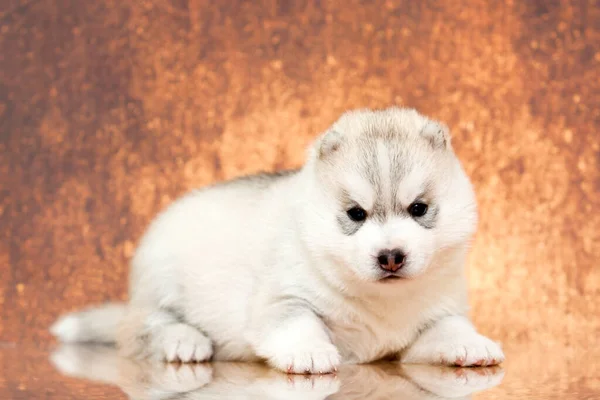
column 184, row 343
column 477, row 351
column 318, row 358
column 469, row 351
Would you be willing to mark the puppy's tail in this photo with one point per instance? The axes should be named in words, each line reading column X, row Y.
column 92, row 325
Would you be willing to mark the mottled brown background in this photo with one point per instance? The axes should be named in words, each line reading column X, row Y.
column 111, row 109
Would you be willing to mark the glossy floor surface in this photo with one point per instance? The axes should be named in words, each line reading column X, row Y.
column 83, row 372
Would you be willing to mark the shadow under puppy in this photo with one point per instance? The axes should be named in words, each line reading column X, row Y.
column 357, row 256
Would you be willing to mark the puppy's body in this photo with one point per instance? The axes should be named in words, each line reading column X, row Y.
column 275, row 267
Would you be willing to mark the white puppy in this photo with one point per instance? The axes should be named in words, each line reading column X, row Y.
column 357, row 256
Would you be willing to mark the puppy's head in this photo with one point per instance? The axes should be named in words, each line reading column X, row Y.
column 388, row 194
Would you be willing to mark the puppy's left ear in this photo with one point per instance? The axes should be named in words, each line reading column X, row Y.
column 327, row 144
column 437, row 134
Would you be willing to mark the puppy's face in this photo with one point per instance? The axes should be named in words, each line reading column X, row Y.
column 392, row 195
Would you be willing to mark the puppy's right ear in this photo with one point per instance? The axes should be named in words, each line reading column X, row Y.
column 328, row 144
column 437, row 134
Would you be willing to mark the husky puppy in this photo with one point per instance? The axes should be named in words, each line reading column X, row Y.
column 355, row 257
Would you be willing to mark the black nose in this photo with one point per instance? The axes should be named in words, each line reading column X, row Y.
column 391, row 260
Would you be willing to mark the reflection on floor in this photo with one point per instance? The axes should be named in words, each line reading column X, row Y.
column 158, row 381
column 533, row 371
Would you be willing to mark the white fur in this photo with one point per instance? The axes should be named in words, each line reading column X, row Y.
column 67, row 328
column 92, row 325
column 262, row 270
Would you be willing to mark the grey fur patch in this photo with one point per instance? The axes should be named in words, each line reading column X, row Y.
column 436, row 134
column 380, row 212
column 348, row 226
column 397, row 174
column 369, row 167
column 262, row 179
column 329, row 144
column 291, row 306
column 175, row 313
column 428, row 220
column 408, row 140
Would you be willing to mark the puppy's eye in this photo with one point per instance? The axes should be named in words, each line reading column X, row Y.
column 357, row 214
column 417, row 209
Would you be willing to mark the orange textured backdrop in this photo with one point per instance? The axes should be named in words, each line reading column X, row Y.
column 111, row 109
